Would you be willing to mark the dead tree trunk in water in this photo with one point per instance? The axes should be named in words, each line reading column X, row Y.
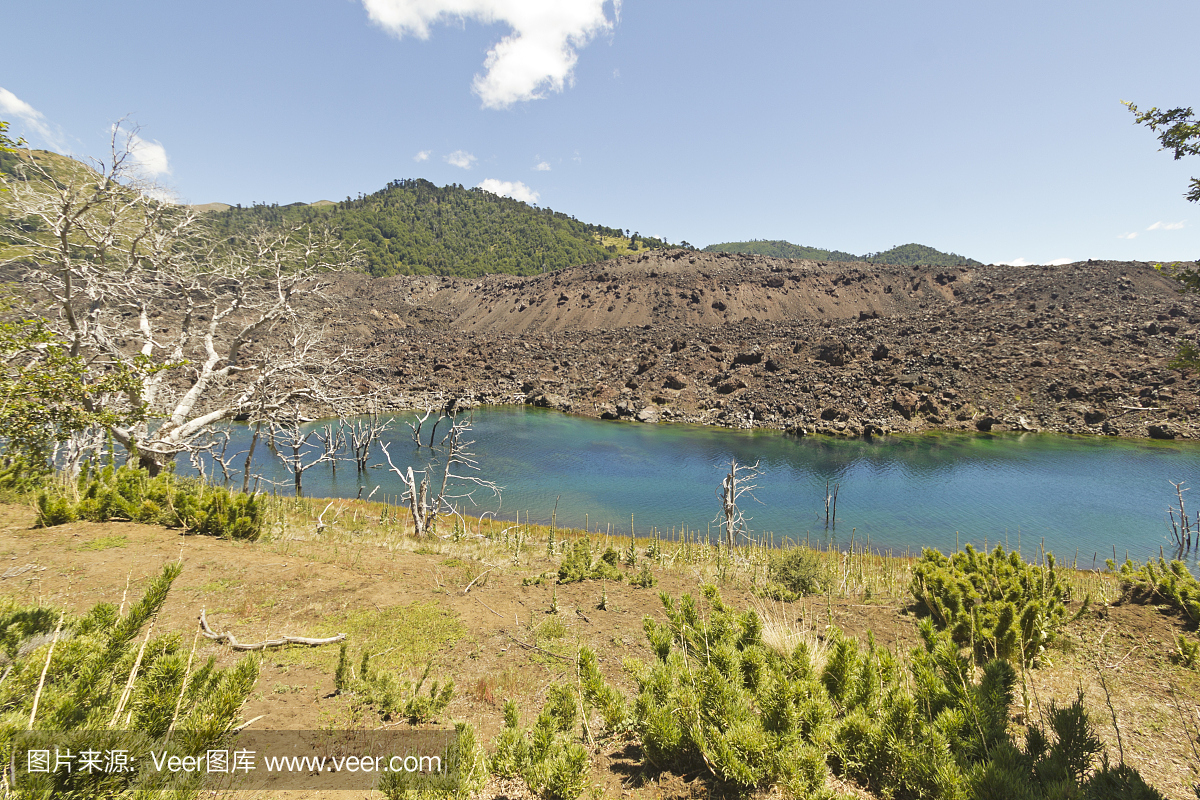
column 736, row 484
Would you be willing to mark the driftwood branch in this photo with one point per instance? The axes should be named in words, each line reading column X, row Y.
column 534, row 647
column 477, row 577
column 280, row 642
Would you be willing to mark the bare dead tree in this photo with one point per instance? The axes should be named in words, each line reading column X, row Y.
column 363, row 435
column 207, row 323
column 294, row 447
column 736, row 484
column 831, row 503
column 1184, row 529
column 332, row 438
column 415, row 428
column 451, row 481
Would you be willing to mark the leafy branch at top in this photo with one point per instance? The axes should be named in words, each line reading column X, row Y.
column 1178, row 130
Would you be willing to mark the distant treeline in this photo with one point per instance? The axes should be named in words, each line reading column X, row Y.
column 906, row 254
column 413, row 227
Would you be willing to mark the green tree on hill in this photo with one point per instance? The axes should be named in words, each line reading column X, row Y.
column 412, row 227
column 905, row 255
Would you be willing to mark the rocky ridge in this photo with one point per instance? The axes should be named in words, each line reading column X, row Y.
column 808, row 347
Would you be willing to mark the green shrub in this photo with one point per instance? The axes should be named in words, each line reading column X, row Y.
column 716, row 701
column 644, row 579
column 796, row 572
column 995, row 603
column 578, row 565
column 1187, row 651
column 86, row 668
column 393, row 698
column 464, row 775
column 19, row 476
column 546, row 756
column 1157, row 580
column 53, row 510
column 131, row 494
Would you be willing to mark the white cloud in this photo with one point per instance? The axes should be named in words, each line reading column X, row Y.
column 148, row 158
column 1166, row 226
column 13, row 106
column 460, row 158
column 514, row 189
column 423, row 155
column 542, row 166
column 1021, row 262
column 1132, row 235
column 539, row 54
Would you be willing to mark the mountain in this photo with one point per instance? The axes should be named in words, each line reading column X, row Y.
column 905, row 254
column 412, row 227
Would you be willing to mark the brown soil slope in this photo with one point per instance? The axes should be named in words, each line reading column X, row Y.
column 742, row 340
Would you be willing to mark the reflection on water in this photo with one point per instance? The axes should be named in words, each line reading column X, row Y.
column 1078, row 494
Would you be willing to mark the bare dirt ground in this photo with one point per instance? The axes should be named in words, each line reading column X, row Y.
column 404, row 600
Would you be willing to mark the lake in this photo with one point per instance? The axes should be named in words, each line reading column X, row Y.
column 1085, row 495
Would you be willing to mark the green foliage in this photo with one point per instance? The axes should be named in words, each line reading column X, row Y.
column 128, row 493
column 1187, row 354
column 1178, row 130
column 392, row 698
column 996, row 604
column 466, row 772
column 545, row 756
column 598, row 694
column 578, row 565
column 645, row 578
column 780, row 249
column 1158, row 581
column 7, row 145
column 45, row 392
column 413, row 227
column 341, row 674
column 83, row 699
column 8, row 149
column 906, row 254
column 716, row 701
column 795, row 572
column 1187, row 651
column 1058, row 762
column 19, row 476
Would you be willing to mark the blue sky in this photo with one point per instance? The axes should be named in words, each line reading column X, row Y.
column 991, row 129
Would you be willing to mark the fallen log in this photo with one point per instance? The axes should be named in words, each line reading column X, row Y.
column 280, row 642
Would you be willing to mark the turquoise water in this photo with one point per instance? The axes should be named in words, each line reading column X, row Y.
column 902, row 493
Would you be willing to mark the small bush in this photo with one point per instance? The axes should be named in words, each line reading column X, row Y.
column 1187, row 652
column 995, row 603
column 53, row 510
column 797, row 571
column 1171, row 583
column 644, row 579
column 19, row 476
column 393, row 698
column 465, row 773
column 579, row 566
column 545, row 756
column 131, row 494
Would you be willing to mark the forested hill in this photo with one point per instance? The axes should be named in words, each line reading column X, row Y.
column 413, row 227
column 905, row 254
